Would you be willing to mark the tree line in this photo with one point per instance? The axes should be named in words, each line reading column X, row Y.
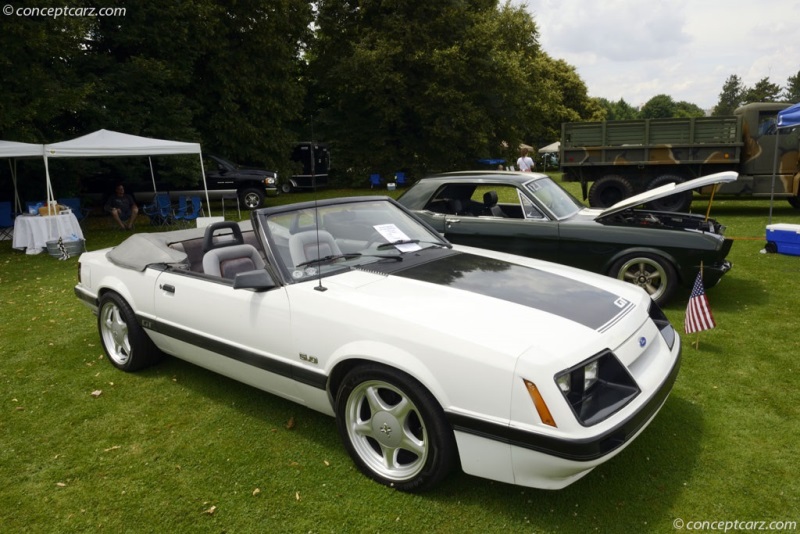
column 391, row 86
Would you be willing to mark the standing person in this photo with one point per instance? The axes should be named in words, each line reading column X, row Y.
column 525, row 163
column 122, row 207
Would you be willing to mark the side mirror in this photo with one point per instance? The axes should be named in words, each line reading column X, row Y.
column 258, row 280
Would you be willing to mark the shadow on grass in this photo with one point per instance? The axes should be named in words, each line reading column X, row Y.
column 640, row 484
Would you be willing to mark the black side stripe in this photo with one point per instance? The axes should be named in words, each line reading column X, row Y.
column 299, row 374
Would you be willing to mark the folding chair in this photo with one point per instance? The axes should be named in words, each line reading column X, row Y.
column 160, row 210
column 400, row 179
column 374, row 180
column 6, row 220
column 74, row 204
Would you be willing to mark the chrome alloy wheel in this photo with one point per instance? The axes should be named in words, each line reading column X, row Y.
column 386, row 430
column 114, row 333
column 645, row 273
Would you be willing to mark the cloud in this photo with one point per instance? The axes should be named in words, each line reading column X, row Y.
column 635, row 50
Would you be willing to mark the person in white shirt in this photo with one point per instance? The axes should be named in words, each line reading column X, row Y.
column 525, row 163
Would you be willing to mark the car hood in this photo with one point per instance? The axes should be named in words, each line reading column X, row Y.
column 667, row 190
column 481, row 298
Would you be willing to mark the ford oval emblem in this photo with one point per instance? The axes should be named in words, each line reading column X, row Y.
column 642, row 341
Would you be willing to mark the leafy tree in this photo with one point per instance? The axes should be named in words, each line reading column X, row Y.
column 423, row 86
column 619, row 110
column 730, row 97
column 792, row 91
column 40, row 88
column 762, row 91
column 659, row 107
column 685, row 109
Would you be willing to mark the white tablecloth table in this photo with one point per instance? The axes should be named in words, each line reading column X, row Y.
column 32, row 232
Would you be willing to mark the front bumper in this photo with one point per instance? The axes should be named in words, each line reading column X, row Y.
column 714, row 272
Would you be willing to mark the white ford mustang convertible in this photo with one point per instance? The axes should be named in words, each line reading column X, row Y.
column 427, row 354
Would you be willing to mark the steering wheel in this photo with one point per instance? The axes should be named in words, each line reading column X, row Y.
column 208, row 237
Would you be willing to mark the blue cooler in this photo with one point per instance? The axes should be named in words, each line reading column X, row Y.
column 786, row 238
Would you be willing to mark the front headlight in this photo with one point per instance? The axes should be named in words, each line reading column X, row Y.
column 597, row 388
column 269, row 180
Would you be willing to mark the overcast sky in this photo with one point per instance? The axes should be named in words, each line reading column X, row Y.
column 636, row 49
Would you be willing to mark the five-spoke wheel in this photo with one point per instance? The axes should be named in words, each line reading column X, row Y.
column 393, row 428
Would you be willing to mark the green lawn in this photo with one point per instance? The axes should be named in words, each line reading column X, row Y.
column 179, row 449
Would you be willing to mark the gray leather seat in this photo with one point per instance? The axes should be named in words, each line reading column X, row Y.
column 312, row 245
column 227, row 262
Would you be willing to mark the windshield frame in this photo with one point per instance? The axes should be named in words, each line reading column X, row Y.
column 552, row 198
column 366, row 230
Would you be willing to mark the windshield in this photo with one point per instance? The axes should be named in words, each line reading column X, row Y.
column 549, row 194
column 312, row 241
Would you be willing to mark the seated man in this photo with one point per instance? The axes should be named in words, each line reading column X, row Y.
column 123, row 208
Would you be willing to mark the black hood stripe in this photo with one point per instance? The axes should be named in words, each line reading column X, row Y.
column 588, row 305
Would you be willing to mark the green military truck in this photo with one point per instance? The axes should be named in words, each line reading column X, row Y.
column 622, row 158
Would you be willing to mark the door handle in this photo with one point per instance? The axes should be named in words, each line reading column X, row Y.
column 169, row 288
column 453, row 221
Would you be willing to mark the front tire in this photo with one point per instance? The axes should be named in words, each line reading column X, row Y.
column 394, row 429
column 124, row 341
column 252, row 198
column 287, row 187
column 652, row 273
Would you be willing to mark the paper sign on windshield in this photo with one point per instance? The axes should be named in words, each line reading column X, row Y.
column 394, row 235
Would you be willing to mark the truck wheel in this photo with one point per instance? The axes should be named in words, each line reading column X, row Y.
column 609, row 190
column 652, row 273
column 124, row 341
column 679, row 202
column 252, row 198
column 795, row 202
column 286, row 187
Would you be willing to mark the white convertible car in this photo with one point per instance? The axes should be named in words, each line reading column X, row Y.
column 427, row 354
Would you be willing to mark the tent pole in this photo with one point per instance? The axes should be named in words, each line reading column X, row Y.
column 203, row 174
column 153, row 177
column 17, row 202
column 774, row 171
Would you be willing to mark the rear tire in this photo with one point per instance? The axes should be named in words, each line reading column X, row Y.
column 124, row 341
column 609, row 190
column 795, row 202
column 394, row 429
column 678, row 203
column 652, row 273
column 287, row 187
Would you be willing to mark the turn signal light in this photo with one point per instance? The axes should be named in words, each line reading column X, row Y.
column 538, row 402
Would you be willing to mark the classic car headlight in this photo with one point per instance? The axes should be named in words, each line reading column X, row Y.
column 663, row 324
column 269, row 180
column 597, row 388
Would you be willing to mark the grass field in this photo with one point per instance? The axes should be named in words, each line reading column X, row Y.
column 86, row 448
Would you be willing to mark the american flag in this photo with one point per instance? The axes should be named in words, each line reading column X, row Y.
column 698, row 312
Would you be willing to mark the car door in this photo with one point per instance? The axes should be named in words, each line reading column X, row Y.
column 239, row 333
column 525, row 230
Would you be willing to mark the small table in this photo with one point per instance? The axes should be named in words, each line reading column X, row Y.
column 32, row 232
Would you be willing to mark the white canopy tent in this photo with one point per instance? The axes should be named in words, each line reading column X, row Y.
column 552, row 147
column 14, row 151
column 107, row 143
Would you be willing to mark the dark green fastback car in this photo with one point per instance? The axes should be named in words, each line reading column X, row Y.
column 531, row 215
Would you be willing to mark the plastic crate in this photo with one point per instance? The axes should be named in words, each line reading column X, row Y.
column 786, row 238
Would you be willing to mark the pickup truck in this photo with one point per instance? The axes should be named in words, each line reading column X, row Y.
column 250, row 185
